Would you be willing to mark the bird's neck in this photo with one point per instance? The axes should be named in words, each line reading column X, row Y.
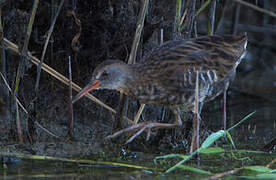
column 130, row 79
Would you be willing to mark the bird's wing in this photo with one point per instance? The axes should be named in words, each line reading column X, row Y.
column 180, row 75
column 228, row 47
column 174, row 64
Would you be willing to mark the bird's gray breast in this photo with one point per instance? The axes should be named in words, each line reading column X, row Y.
column 150, row 93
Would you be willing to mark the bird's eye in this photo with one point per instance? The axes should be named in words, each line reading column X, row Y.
column 104, row 75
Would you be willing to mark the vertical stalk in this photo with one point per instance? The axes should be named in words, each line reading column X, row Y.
column 52, row 39
column 191, row 17
column 20, row 70
column 236, row 19
column 71, row 119
column 2, row 51
column 221, row 18
column 195, row 137
column 133, row 53
column 134, row 48
column 176, row 29
column 46, row 45
column 49, row 33
column 21, row 67
column 4, row 63
column 139, row 28
column 212, row 14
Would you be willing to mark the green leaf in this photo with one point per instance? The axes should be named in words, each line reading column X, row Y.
column 212, row 138
column 241, row 121
column 202, row 7
column 247, row 151
column 181, row 162
column 266, row 176
column 230, row 139
column 272, row 171
column 193, row 169
column 206, row 144
column 169, row 156
column 260, row 176
column 260, row 169
column 211, row 150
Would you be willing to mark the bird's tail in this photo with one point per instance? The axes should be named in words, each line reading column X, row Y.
column 241, row 42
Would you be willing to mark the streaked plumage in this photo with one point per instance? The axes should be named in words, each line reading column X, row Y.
column 167, row 75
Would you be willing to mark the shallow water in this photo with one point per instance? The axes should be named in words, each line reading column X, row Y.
column 54, row 170
column 253, row 134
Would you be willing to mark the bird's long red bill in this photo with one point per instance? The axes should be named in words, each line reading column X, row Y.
column 89, row 87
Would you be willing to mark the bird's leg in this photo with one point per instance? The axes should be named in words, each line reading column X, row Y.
column 224, row 109
column 195, row 136
column 224, row 106
column 196, row 125
column 120, row 112
column 147, row 126
column 141, row 127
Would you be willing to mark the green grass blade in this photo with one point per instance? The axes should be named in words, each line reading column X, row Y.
column 272, row 171
column 211, row 150
column 244, row 119
column 181, row 162
column 202, row 7
column 266, row 176
column 76, row 161
column 260, row 176
column 169, row 156
column 206, row 144
column 259, row 169
column 247, row 151
column 230, row 139
column 195, row 170
column 212, row 138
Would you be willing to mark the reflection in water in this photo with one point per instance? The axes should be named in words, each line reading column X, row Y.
column 256, row 131
column 252, row 134
column 34, row 170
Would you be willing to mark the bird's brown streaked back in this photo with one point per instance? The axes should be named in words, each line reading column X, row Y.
column 171, row 68
column 168, row 74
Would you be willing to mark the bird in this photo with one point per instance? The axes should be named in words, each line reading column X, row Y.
column 168, row 75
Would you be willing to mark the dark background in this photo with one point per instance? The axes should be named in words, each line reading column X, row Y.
column 107, row 32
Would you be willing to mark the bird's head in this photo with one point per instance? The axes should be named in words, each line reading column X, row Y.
column 111, row 74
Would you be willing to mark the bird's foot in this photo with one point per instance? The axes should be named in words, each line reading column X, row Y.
column 140, row 128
